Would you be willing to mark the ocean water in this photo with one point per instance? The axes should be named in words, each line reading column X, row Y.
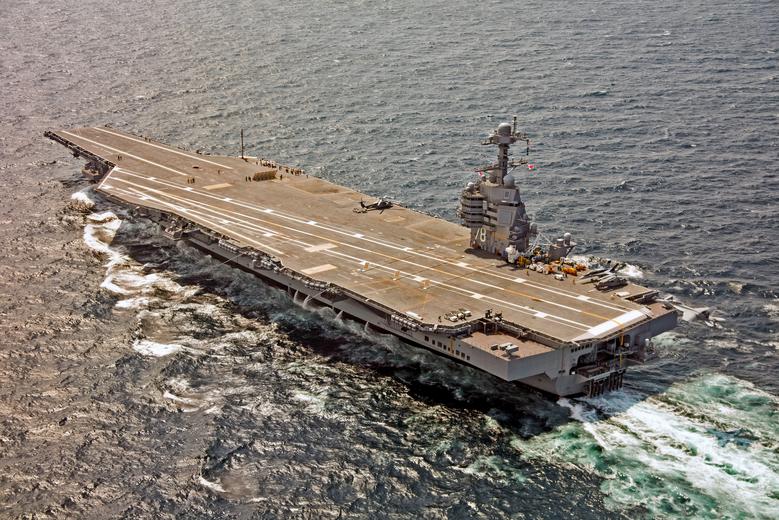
column 143, row 379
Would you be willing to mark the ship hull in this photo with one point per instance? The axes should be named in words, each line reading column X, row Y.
column 400, row 271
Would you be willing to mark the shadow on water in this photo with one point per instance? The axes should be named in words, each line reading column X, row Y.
column 261, row 360
column 427, row 377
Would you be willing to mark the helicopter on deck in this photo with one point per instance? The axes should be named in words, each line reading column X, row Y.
column 380, row 205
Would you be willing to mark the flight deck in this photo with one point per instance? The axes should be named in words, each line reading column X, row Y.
column 402, row 260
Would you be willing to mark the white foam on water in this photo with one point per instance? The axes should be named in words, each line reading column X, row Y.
column 214, row 486
column 179, row 384
column 82, row 199
column 662, row 452
column 495, row 468
column 102, row 217
column 772, row 309
column 631, row 271
column 173, row 397
column 109, row 285
column 125, row 277
column 128, row 280
column 683, row 448
column 98, row 236
column 135, row 303
column 154, row 349
column 315, row 403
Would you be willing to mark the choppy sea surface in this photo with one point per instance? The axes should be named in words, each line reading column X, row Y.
column 144, row 379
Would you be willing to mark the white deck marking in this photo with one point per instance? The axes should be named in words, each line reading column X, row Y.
column 311, row 222
column 477, row 296
column 190, row 201
column 583, row 297
column 103, row 183
column 128, row 154
column 462, row 264
column 212, row 223
column 408, row 249
column 540, row 314
column 320, row 247
column 363, row 262
column 608, row 326
column 557, row 292
column 560, row 321
column 217, row 186
column 319, row 269
column 167, row 149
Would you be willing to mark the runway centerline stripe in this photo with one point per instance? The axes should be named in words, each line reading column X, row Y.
column 424, row 267
column 221, row 213
column 179, row 208
column 165, row 148
column 128, row 154
column 371, row 252
column 350, row 234
column 453, row 289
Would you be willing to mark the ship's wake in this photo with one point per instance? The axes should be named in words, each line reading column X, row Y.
column 705, row 448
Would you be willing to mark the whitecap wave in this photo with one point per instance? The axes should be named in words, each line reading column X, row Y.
column 154, row 349
column 631, row 271
column 81, row 200
column 214, row 486
column 135, row 303
column 125, row 277
column 628, row 270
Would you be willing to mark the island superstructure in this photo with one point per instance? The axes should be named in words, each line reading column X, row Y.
column 488, row 293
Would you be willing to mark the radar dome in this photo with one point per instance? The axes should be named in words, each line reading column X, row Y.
column 508, row 181
column 504, row 129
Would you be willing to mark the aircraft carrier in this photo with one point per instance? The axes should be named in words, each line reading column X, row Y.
column 490, row 293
